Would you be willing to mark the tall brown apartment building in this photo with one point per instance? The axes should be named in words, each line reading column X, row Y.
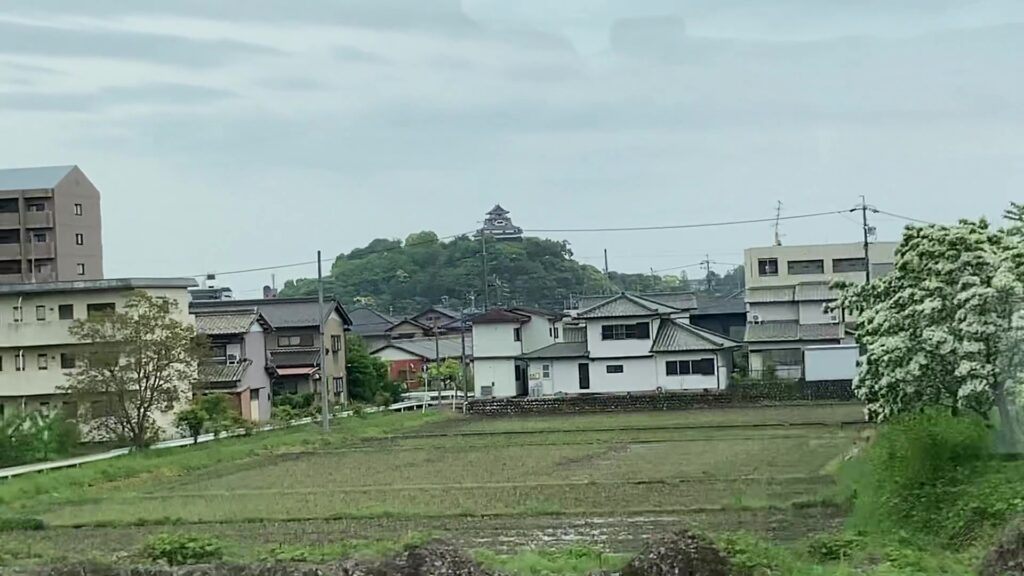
column 50, row 228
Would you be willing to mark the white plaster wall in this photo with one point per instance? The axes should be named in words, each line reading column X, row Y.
column 831, row 362
column 717, row 381
column 880, row 252
column 536, row 333
column 637, row 376
column 814, row 313
column 499, row 373
column 618, row 348
column 495, row 340
column 391, row 353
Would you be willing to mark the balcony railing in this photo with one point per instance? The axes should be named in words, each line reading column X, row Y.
column 10, row 251
column 38, row 250
column 10, row 220
column 39, row 219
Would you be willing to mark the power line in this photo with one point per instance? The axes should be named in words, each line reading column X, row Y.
column 901, row 217
column 686, row 226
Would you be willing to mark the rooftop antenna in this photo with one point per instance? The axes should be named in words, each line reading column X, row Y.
column 778, row 217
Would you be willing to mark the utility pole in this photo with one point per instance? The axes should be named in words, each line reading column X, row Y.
column 483, row 242
column 778, row 217
column 707, row 270
column 605, row 262
column 867, row 229
column 465, row 379
column 324, row 406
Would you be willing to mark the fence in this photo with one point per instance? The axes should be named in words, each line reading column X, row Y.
column 748, row 394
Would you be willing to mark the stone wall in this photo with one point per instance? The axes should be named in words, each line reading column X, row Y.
column 737, row 395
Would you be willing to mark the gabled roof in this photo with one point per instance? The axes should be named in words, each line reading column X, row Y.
column 792, row 330
column 678, row 336
column 448, row 347
column 423, row 327
column 42, row 177
column 221, row 373
column 501, row 316
column 218, row 323
column 497, row 210
column 538, row 312
column 367, row 321
column 560, row 350
column 626, row 304
column 677, row 300
column 453, row 314
column 281, row 312
column 763, row 295
column 708, row 304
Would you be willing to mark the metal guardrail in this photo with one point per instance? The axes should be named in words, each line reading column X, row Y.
column 6, row 473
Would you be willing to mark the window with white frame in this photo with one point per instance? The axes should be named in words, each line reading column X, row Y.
column 545, row 371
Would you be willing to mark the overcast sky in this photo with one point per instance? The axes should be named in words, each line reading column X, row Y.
column 232, row 134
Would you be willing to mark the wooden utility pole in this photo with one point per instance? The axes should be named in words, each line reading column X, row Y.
column 324, row 405
column 867, row 230
column 483, row 243
column 605, row 262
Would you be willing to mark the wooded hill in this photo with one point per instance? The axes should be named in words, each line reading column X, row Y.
column 404, row 277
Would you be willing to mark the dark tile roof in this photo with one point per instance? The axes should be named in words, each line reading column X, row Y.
column 560, row 350
column 677, row 300
column 217, row 322
column 281, row 312
column 291, row 357
column 678, row 336
column 220, row 373
column 500, row 316
column 626, row 304
column 419, row 325
column 367, row 321
column 708, row 304
column 448, row 346
column 538, row 312
column 792, row 330
column 42, row 177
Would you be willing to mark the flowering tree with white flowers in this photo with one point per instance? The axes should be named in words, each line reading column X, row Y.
column 946, row 327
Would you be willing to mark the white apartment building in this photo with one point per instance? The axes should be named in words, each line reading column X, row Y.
column 788, row 290
column 36, row 350
column 623, row 343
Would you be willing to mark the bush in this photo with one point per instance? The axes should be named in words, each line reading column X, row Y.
column 918, row 473
column 17, row 523
column 35, row 437
column 191, row 422
column 833, row 547
column 183, row 549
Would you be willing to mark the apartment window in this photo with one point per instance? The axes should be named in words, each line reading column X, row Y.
column 517, row 334
column 40, row 313
column 292, row 341
column 335, row 343
column 39, row 237
column 80, row 269
column 840, row 265
column 10, row 237
column 16, row 314
column 36, row 207
column 10, row 267
column 42, row 361
column 797, row 267
column 101, row 309
column 67, row 361
column 555, row 329
column 767, row 266
column 638, row 331
column 1, row 367
column 614, row 369
column 545, row 371
column 78, row 209
column 79, row 239
column 9, row 206
column 66, row 311
column 19, row 362
column 704, row 366
column 219, row 352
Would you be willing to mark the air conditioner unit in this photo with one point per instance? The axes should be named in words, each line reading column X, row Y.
column 755, row 318
column 833, row 318
column 232, row 359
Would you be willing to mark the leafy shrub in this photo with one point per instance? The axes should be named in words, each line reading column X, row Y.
column 35, row 437
column 191, row 421
column 284, row 414
column 751, row 556
column 183, row 549
column 917, row 472
column 16, row 523
column 833, row 547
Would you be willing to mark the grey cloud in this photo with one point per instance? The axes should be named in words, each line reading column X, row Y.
column 293, row 84
column 16, row 38
column 353, row 54
column 423, row 14
column 154, row 95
